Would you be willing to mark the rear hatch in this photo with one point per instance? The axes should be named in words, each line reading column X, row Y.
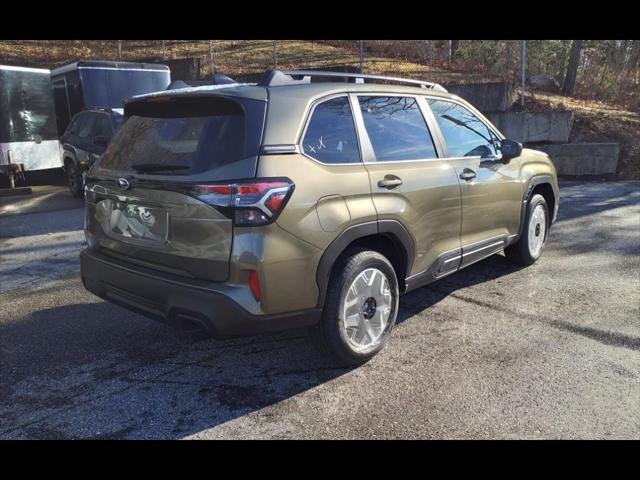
column 149, row 200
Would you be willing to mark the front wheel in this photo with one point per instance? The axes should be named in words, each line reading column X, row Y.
column 360, row 308
column 529, row 246
column 74, row 180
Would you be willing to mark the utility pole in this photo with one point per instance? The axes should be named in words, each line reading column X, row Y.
column 164, row 51
column 120, row 50
column 361, row 56
column 523, row 61
column 275, row 55
column 210, row 58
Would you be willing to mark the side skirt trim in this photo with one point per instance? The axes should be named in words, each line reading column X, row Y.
column 453, row 260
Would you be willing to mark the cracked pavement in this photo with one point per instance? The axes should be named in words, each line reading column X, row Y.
column 494, row 351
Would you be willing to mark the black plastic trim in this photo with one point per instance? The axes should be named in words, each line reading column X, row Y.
column 170, row 301
column 532, row 182
column 397, row 230
column 391, row 228
column 434, row 272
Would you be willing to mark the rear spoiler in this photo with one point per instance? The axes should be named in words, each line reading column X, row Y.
column 216, row 79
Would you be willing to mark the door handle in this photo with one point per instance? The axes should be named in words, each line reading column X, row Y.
column 389, row 182
column 467, row 174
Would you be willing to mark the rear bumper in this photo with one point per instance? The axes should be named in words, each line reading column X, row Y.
column 178, row 303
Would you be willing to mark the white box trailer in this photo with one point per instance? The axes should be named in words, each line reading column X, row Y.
column 28, row 132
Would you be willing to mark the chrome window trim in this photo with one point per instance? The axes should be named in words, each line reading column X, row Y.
column 366, row 141
column 307, row 121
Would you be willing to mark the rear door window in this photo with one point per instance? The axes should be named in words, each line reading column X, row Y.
column 396, row 128
column 331, row 134
column 188, row 136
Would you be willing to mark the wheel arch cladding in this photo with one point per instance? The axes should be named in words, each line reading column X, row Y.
column 389, row 238
column 546, row 190
column 542, row 184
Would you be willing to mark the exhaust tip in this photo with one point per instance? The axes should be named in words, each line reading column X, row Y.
column 192, row 324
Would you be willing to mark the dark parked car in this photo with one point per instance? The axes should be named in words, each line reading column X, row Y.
column 85, row 140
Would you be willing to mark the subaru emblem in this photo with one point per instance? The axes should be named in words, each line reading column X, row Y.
column 123, row 183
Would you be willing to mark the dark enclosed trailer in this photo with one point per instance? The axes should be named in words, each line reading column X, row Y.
column 28, row 134
column 105, row 84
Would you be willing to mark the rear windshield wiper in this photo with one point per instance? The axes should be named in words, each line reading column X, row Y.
column 157, row 167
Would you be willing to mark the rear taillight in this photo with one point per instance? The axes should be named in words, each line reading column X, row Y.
column 247, row 203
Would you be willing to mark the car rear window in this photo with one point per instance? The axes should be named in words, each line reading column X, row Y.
column 331, row 134
column 194, row 134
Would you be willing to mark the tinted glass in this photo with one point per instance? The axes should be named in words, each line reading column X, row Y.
column 212, row 134
column 396, row 128
column 331, row 133
column 103, row 127
column 109, row 88
column 76, row 123
column 86, row 125
column 465, row 134
column 26, row 106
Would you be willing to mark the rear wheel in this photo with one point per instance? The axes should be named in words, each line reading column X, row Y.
column 529, row 246
column 360, row 308
column 74, row 179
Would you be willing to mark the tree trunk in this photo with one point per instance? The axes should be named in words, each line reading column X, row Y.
column 455, row 44
column 572, row 68
column 563, row 61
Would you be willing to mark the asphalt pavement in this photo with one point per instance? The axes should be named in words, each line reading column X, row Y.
column 494, row 351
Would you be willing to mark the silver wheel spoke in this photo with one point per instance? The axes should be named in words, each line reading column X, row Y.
column 353, row 320
column 366, row 309
column 537, row 230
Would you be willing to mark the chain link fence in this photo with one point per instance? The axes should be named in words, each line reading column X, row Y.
column 443, row 61
column 424, row 59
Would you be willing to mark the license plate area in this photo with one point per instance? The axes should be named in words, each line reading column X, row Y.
column 138, row 223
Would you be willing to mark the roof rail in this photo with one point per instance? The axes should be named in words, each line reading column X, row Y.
column 272, row 78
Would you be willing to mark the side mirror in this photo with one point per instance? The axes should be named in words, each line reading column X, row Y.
column 510, row 149
column 100, row 141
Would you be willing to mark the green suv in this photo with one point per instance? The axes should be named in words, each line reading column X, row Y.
column 308, row 199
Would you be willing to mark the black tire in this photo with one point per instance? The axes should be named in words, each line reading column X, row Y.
column 74, row 179
column 520, row 253
column 329, row 333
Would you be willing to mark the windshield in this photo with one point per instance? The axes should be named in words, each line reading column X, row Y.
column 188, row 136
column 108, row 88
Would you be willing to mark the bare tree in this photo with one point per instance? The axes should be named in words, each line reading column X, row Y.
column 211, row 71
column 455, row 44
column 572, row 68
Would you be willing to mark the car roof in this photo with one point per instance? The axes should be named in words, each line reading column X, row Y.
column 290, row 101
